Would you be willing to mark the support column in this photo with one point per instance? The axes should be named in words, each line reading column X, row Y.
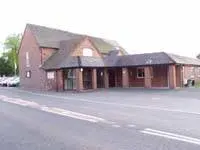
column 106, row 78
column 125, row 78
column 116, row 77
column 182, row 76
column 79, row 79
column 59, row 80
column 172, row 76
column 147, row 77
column 94, row 78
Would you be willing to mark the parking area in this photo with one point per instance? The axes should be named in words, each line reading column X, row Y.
column 9, row 81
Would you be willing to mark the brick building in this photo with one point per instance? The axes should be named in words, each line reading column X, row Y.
column 51, row 59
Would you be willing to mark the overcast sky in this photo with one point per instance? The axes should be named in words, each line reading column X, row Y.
column 138, row 25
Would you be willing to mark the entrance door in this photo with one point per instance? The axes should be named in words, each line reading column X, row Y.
column 70, row 79
column 87, row 78
column 100, row 78
column 111, row 73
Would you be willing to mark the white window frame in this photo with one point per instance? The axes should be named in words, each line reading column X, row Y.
column 137, row 73
column 87, row 52
column 28, row 74
column 50, row 75
column 27, row 60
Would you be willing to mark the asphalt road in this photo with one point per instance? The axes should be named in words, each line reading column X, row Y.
column 115, row 119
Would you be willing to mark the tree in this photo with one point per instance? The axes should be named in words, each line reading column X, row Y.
column 5, row 67
column 11, row 46
column 198, row 56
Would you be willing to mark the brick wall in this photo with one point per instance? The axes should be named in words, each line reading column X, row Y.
column 197, row 74
column 85, row 44
column 191, row 72
column 179, row 79
column 125, row 78
column 133, row 80
column 37, row 80
column 172, row 76
column 160, row 76
column 60, row 80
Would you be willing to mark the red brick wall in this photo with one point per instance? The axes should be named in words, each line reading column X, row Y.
column 188, row 72
column 125, row 78
column 191, row 72
column 133, row 80
column 160, row 76
column 37, row 80
column 172, row 76
column 85, row 44
column 197, row 74
column 178, row 76
column 60, row 80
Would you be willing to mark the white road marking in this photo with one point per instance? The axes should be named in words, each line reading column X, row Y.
column 117, row 104
column 53, row 110
column 72, row 114
column 116, row 126
column 171, row 136
column 155, row 98
column 131, row 125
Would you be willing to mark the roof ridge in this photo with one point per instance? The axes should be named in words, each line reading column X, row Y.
column 144, row 53
column 57, row 29
column 169, row 57
column 182, row 56
column 49, row 37
column 51, row 28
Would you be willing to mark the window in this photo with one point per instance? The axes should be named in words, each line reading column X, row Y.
column 28, row 74
column 87, row 52
column 27, row 60
column 50, row 75
column 140, row 72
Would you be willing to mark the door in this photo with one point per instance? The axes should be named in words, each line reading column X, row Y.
column 87, row 78
column 111, row 74
column 70, row 79
column 100, row 78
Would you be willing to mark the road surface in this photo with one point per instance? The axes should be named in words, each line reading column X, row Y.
column 115, row 119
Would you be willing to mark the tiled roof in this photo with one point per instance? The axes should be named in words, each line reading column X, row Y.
column 49, row 37
column 76, row 62
column 61, row 57
column 144, row 59
column 120, row 61
column 66, row 41
column 154, row 59
column 184, row 60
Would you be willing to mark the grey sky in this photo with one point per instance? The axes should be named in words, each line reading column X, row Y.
column 139, row 26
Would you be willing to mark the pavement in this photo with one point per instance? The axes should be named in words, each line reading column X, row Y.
column 112, row 119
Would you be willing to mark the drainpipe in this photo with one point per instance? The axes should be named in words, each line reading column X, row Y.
column 56, row 81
